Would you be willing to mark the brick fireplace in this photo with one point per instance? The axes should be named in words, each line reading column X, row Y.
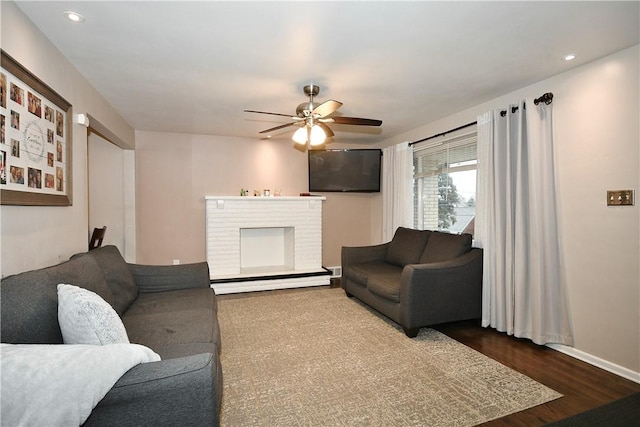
column 260, row 243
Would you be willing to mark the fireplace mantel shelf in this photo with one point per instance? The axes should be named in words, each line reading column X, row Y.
column 265, row 198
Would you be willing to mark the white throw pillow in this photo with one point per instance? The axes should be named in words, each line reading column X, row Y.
column 85, row 318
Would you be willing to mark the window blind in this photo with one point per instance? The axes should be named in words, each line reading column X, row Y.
column 455, row 154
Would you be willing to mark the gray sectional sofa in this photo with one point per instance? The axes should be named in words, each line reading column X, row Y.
column 170, row 309
column 419, row 278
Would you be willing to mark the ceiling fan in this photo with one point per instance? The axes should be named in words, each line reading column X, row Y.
column 312, row 119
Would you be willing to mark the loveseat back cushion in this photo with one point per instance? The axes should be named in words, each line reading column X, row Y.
column 445, row 246
column 29, row 301
column 406, row 246
column 117, row 275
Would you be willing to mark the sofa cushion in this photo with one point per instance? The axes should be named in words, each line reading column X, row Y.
column 406, row 246
column 174, row 323
column 360, row 273
column 85, row 318
column 445, row 246
column 117, row 275
column 30, row 300
column 386, row 286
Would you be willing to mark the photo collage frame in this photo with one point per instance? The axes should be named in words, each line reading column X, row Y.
column 35, row 140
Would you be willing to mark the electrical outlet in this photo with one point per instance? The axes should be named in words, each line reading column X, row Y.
column 620, row 198
column 176, row 261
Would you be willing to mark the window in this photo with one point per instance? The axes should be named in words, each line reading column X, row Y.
column 444, row 180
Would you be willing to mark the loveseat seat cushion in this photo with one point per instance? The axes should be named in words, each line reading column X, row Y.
column 29, row 301
column 117, row 275
column 175, row 323
column 386, row 285
column 445, row 246
column 406, row 246
column 360, row 273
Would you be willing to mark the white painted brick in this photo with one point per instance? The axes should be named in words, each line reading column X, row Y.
column 223, row 229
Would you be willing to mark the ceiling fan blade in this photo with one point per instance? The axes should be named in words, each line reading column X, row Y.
column 277, row 127
column 327, row 107
column 327, row 130
column 356, row 121
column 266, row 112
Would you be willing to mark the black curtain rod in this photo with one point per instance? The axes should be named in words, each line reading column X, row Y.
column 547, row 98
column 443, row 133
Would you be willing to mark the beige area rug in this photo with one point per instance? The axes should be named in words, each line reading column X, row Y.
column 317, row 358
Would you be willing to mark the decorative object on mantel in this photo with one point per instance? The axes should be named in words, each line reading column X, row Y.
column 36, row 122
column 312, row 119
column 244, row 192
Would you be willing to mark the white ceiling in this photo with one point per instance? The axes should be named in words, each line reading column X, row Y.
column 193, row 67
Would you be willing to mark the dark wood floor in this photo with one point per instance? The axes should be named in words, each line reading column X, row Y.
column 583, row 386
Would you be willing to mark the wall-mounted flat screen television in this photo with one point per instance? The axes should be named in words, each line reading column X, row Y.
column 354, row 170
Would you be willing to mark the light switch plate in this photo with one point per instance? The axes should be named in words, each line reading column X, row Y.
column 620, row 198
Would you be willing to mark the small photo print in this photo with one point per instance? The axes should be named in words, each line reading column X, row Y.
column 15, row 120
column 16, row 93
column 17, row 175
column 50, row 159
column 50, row 136
column 15, row 147
column 49, row 180
column 3, row 138
column 59, row 124
column 3, row 90
column 59, row 179
column 48, row 113
column 35, row 104
column 3, row 167
column 59, row 151
column 35, row 178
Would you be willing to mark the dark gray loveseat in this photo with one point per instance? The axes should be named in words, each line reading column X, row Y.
column 170, row 309
column 420, row 278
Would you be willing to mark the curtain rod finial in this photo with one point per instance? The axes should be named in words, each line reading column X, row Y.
column 547, row 98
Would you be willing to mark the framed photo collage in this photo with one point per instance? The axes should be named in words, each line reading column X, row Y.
column 35, row 140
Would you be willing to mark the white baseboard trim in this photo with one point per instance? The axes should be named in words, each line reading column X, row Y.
column 596, row 361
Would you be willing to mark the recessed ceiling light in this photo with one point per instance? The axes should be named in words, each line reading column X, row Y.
column 570, row 57
column 74, row 16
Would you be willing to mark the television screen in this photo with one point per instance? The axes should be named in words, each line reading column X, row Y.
column 356, row 170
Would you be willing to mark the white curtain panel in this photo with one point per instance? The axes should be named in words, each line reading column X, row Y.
column 397, row 189
column 517, row 226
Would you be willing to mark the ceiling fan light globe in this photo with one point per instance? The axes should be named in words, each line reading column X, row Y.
column 317, row 136
column 300, row 136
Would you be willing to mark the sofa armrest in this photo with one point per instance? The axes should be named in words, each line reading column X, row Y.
column 358, row 254
column 183, row 391
column 159, row 278
column 442, row 291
